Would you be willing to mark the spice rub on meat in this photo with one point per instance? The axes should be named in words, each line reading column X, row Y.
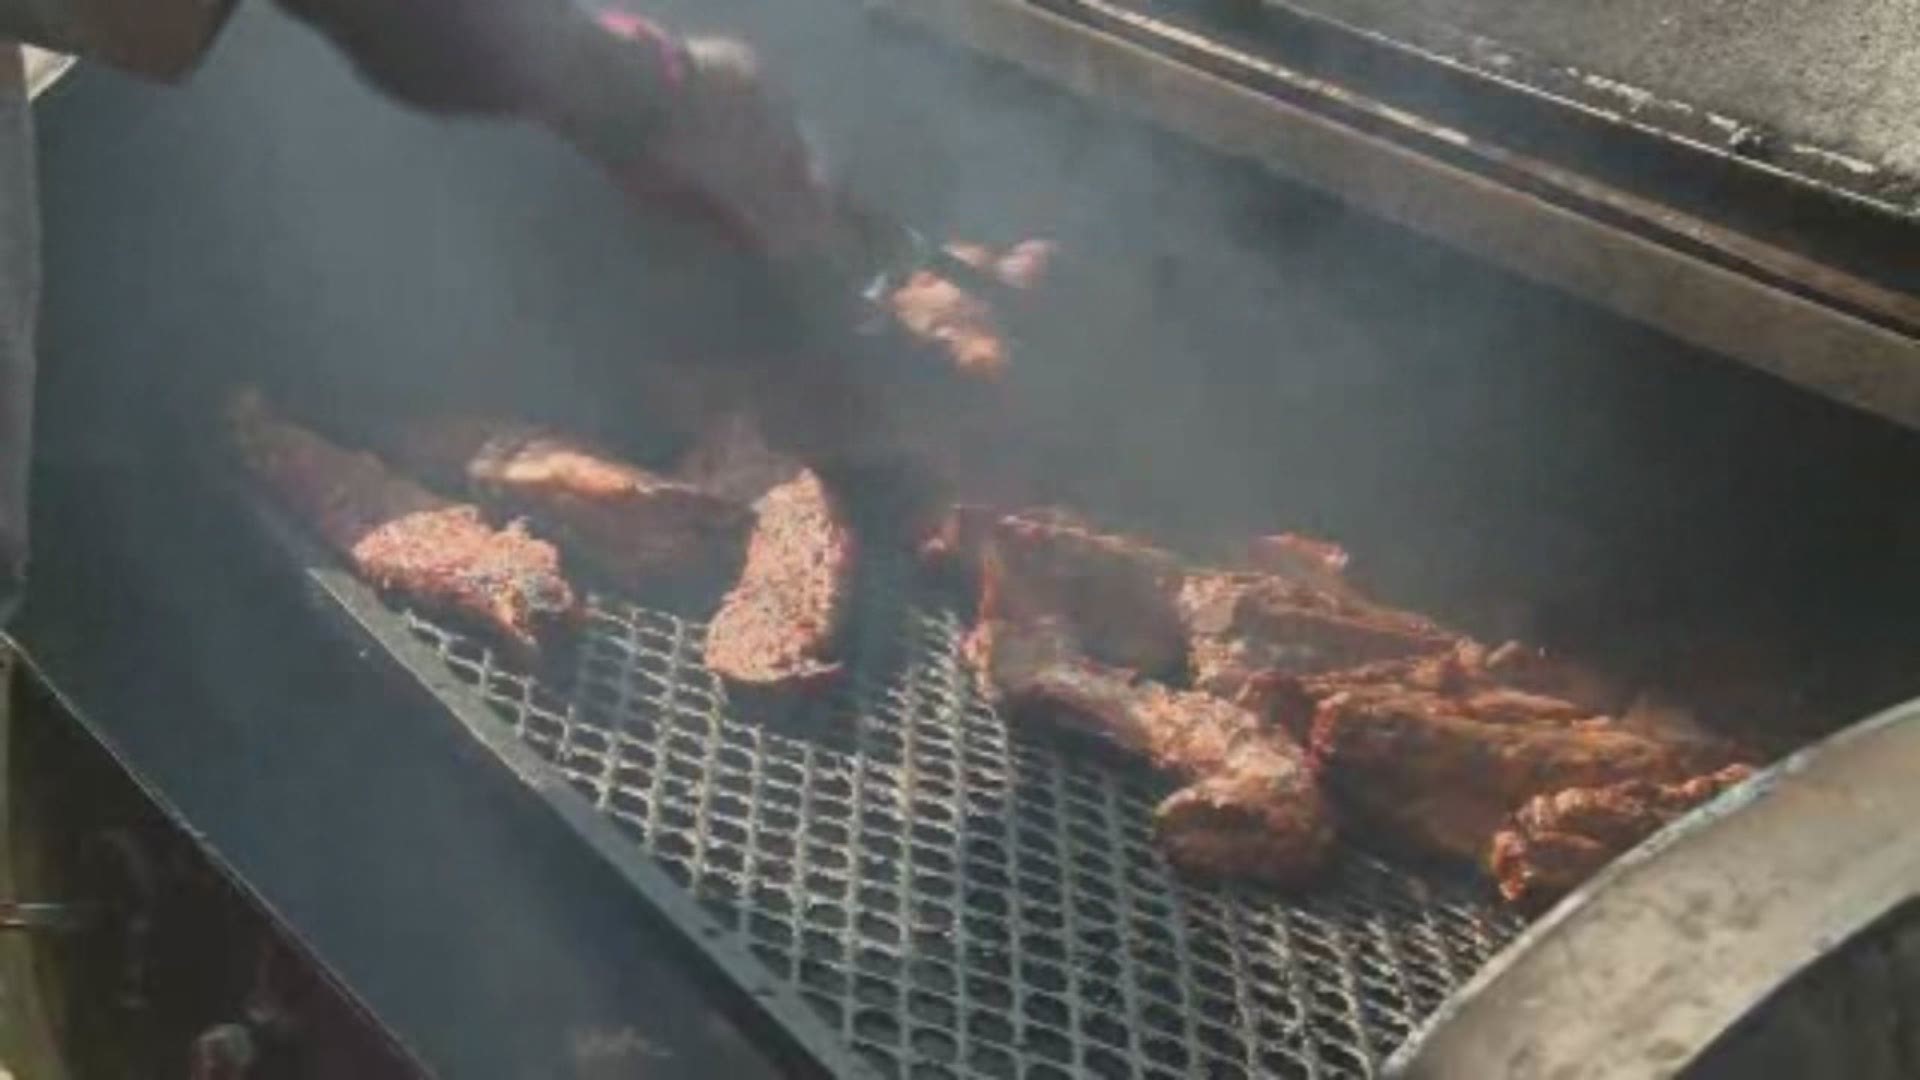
column 780, row 624
column 1245, row 626
column 637, row 528
column 1433, row 772
column 935, row 310
column 402, row 538
column 1250, row 808
column 1114, row 592
column 1554, row 842
column 1422, row 736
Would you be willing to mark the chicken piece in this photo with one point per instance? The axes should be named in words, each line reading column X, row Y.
column 1243, row 626
column 1554, row 842
column 637, row 528
column 778, row 627
column 938, row 311
column 402, row 538
column 1251, row 807
column 1425, row 769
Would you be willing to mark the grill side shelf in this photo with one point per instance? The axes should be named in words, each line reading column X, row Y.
column 787, row 1025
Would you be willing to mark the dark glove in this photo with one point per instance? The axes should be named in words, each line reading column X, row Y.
column 728, row 142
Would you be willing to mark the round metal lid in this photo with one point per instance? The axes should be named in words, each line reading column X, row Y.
column 1640, row 972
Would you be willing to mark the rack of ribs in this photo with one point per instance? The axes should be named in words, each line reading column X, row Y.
column 402, row 538
column 1250, row 807
column 639, row 529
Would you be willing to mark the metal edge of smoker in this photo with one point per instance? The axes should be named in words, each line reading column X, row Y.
column 1795, row 318
column 356, row 611
column 1642, row 971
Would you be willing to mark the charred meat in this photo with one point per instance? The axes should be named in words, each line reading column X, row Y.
column 1466, row 674
column 779, row 625
column 1115, row 593
column 1439, row 775
column 1557, row 841
column 402, row 538
column 937, row 311
column 1244, row 626
column 1251, row 807
column 635, row 527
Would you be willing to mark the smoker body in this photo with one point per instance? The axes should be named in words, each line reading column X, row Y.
column 1516, row 459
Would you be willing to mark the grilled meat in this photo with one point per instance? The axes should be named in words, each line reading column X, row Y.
column 1242, row 626
column 779, row 625
column 402, row 538
column 1438, row 774
column 1319, row 563
column 1115, row 593
column 936, row 310
column 1136, row 606
column 1251, row 807
column 1556, row 841
column 1463, row 674
column 634, row 526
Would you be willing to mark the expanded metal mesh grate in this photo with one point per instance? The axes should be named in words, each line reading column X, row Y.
column 961, row 899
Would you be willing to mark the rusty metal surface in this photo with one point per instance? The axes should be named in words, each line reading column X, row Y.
column 1645, row 968
column 1828, row 88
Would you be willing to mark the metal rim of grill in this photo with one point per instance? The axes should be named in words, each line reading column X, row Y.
column 958, row 898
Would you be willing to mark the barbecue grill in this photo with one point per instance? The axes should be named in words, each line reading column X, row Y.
column 615, row 867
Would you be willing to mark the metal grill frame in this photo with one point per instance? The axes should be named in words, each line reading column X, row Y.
column 817, row 854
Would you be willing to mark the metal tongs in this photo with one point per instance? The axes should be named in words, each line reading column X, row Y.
column 892, row 252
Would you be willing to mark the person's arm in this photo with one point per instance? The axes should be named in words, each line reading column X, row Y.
column 159, row 39
column 664, row 115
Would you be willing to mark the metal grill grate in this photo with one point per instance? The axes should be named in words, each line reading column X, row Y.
column 961, row 899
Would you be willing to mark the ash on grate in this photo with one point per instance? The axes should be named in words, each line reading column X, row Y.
column 961, row 899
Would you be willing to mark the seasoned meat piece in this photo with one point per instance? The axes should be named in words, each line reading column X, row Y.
column 732, row 460
column 1531, row 669
column 1481, row 683
column 1251, row 807
column 402, row 538
column 1556, row 841
column 779, row 625
column 935, row 310
column 636, row 527
column 1243, row 625
column 1115, row 592
column 1423, row 768
column 1319, row 563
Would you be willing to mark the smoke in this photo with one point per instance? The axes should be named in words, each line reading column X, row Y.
column 1229, row 355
